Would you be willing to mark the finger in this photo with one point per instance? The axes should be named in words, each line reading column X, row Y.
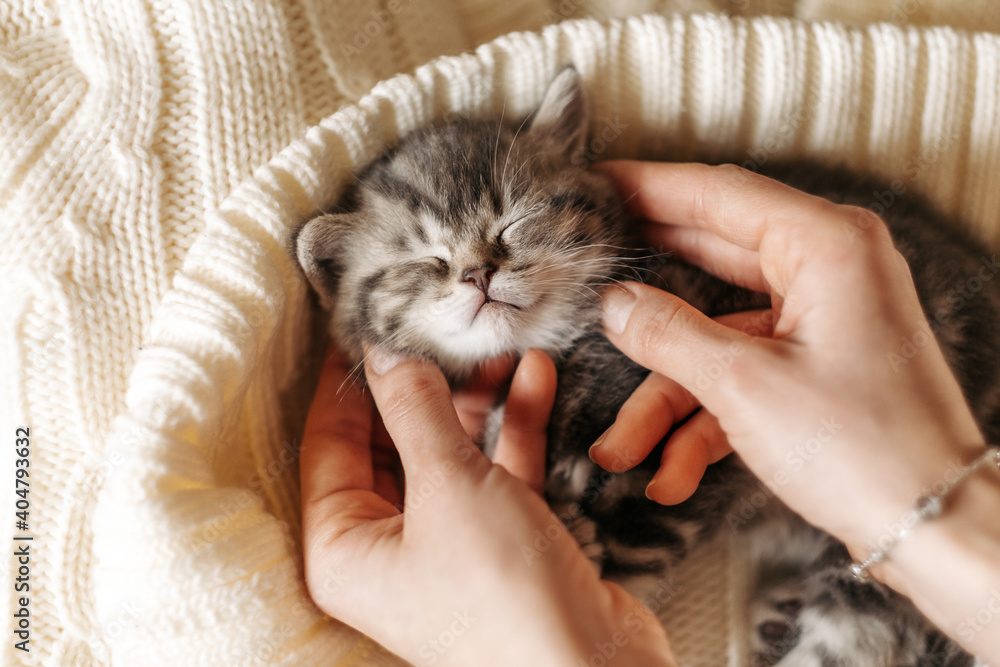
column 754, row 323
column 752, row 212
column 712, row 253
column 388, row 468
column 337, row 475
column 336, row 453
column 643, row 625
column 416, row 406
column 736, row 204
column 659, row 403
column 698, row 443
column 649, row 413
column 667, row 335
column 478, row 396
column 523, row 436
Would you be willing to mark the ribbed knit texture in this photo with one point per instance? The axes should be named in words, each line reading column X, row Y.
column 157, row 336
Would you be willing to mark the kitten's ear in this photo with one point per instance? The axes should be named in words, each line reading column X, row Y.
column 563, row 114
column 319, row 247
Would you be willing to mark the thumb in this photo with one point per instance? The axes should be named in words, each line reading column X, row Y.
column 664, row 333
column 415, row 404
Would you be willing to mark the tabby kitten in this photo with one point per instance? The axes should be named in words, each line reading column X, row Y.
column 472, row 240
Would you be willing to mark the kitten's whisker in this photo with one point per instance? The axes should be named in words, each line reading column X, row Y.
column 496, row 147
column 503, row 175
column 572, row 284
column 356, row 372
column 352, row 376
column 517, row 174
column 631, row 197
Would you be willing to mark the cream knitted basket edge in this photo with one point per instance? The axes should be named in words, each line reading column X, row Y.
column 197, row 523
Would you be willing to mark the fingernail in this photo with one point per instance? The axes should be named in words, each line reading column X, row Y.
column 382, row 361
column 596, row 445
column 653, row 482
column 618, row 304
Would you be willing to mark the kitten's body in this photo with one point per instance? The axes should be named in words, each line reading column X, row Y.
column 470, row 241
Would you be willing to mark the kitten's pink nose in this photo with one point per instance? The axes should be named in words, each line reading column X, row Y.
column 480, row 277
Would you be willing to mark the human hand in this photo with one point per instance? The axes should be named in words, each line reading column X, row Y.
column 815, row 409
column 446, row 580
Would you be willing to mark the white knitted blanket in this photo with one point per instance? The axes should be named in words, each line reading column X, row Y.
column 157, row 338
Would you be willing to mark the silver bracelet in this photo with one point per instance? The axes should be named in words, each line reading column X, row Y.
column 928, row 507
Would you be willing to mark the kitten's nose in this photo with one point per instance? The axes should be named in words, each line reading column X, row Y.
column 480, row 277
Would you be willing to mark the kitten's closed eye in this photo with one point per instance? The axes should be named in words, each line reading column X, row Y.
column 504, row 237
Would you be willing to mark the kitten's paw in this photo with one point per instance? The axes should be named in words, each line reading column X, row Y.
column 774, row 618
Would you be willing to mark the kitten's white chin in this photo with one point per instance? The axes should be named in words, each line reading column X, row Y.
column 494, row 310
column 501, row 328
column 473, row 329
column 495, row 329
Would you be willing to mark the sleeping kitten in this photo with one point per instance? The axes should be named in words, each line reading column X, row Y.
column 471, row 240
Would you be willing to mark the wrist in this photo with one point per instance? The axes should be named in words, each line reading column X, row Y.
column 887, row 507
column 929, row 506
column 950, row 565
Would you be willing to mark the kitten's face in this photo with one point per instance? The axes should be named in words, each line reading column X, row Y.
column 469, row 242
